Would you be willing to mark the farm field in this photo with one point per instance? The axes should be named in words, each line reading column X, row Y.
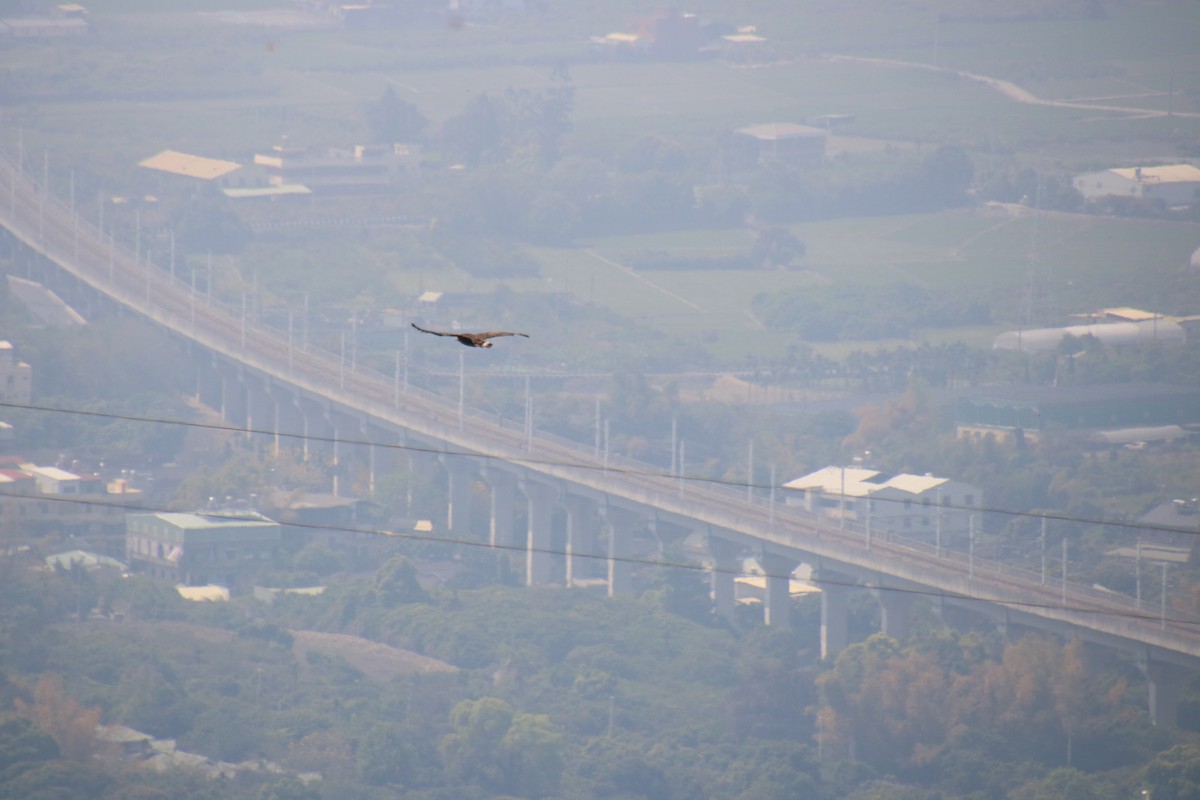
column 1079, row 264
column 893, row 72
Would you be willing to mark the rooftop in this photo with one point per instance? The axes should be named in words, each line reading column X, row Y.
column 777, row 131
column 196, row 521
column 188, row 165
column 53, row 473
column 862, row 482
column 1170, row 173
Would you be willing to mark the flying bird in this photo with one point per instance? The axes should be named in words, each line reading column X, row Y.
column 472, row 339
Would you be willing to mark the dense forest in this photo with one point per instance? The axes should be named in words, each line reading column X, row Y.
column 552, row 694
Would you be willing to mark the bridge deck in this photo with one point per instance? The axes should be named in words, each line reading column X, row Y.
column 43, row 222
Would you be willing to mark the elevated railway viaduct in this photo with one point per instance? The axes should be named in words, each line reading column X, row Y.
column 263, row 379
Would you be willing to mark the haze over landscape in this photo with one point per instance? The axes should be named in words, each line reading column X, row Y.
column 837, row 435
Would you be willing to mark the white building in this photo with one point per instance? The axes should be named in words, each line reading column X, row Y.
column 913, row 506
column 787, row 143
column 52, row 480
column 1160, row 330
column 362, row 169
column 1174, row 184
column 16, row 377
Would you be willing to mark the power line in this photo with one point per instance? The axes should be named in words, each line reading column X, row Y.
column 582, row 465
column 417, row 536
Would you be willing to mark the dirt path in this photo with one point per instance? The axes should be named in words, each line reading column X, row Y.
column 1014, row 92
column 373, row 659
column 642, row 278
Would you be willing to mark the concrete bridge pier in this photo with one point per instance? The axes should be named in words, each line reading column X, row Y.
column 621, row 526
column 312, row 429
column 895, row 612
column 835, row 617
column 1165, row 682
column 208, row 383
column 363, row 456
column 285, row 422
column 725, row 568
column 539, row 561
column 337, row 460
column 460, row 477
column 353, row 454
column 387, row 455
column 234, row 406
column 503, row 486
column 260, row 412
column 777, row 601
column 581, row 537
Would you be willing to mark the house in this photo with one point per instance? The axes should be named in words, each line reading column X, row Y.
column 52, row 480
column 785, row 143
column 36, row 499
column 362, row 169
column 1173, row 184
column 201, row 168
column 1033, row 410
column 666, row 34
column 922, row 507
column 200, row 549
column 1156, row 330
column 1168, row 535
column 84, row 559
column 16, row 377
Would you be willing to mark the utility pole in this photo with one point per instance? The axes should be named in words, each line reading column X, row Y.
column 750, row 473
column 1043, row 551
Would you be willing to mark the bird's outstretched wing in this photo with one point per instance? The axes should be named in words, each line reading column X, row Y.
column 435, row 333
column 472, row 339
column 496, row 334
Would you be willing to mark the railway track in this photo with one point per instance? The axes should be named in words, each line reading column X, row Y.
column 45, row 223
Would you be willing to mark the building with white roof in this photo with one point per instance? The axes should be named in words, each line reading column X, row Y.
column 1173, row 184
column 16, row 377
column 786, row 142
column 922, row 507
column 52, row 480
column 201, row 549
column 1157, row 330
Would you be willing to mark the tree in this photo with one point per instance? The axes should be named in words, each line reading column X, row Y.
column 1173, row 774
column 1067, row 784
column 394, row 120
column 203, row 224
column 60, row 715
column 22, row 741
column 57, row 780
column 475, row 134
column 318, row 558
column 289, row 788
column 531, row 755
column 537, row 120
column 385, row 756
column 396, row 583
column 473, row 748
column 945, row 176
column 777, row 247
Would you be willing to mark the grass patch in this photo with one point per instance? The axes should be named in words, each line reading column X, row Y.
column 1081, row 263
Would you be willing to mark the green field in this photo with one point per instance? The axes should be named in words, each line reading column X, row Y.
column 175, row 79
column 1073, row 263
